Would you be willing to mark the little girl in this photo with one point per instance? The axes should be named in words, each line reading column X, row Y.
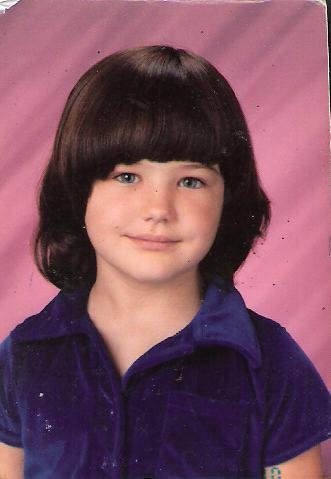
column 148, row 364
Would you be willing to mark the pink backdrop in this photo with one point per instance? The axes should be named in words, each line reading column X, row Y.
column 274, row 55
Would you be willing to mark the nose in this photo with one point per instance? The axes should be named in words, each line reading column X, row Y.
column 158, row 205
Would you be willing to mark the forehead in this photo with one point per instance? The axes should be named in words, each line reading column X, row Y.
column 174, row 165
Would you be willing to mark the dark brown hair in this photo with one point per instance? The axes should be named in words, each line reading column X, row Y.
column 154, row 102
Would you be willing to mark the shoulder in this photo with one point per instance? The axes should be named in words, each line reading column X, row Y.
column 298, row 407
column 37, row 332
column 278, row 348
column 21, row 360
column 56, row 319
column 31, row 325
column 28, row 330
column 28, row 350
column 284, row 362
column 267, row 330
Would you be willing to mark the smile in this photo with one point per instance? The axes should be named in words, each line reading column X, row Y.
column 159, row 244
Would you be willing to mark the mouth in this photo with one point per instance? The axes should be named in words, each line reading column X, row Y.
column 155, row 243
column 155, row 238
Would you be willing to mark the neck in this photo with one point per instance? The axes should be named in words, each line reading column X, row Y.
column 119, row 302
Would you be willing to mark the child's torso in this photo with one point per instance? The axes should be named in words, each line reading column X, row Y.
column 186, row 416
column 190, row 406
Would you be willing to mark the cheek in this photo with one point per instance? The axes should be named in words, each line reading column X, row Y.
column 211, row 217
column 96, row 222
column 104, row 212
column 208, row 214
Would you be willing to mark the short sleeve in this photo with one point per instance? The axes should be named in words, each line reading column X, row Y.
column 298, row 407
column 10, row 428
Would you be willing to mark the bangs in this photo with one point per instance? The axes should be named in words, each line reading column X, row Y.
column 133, row 116
column 171, row 128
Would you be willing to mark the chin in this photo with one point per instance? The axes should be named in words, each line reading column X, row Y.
column 160, row 275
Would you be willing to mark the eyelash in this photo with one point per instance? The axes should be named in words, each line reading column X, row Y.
column 133, row 174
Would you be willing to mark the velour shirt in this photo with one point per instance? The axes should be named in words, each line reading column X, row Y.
column 226, row 396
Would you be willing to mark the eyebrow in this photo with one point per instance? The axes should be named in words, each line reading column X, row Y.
column 200, row 166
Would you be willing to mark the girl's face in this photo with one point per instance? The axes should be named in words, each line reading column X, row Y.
column 177, row 205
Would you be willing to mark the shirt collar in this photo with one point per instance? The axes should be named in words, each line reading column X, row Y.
column 222, row 319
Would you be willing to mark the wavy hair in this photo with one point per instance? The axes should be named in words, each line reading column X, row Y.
column 154, row 102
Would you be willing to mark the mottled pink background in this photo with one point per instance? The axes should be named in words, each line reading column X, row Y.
column 275, row 56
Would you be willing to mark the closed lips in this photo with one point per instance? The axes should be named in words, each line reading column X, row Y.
column 159, row 239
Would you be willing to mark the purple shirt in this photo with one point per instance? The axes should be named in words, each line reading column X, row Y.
column 226, row 396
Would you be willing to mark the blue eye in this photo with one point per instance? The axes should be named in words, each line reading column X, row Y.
column 125, row 177
column 189, row 180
